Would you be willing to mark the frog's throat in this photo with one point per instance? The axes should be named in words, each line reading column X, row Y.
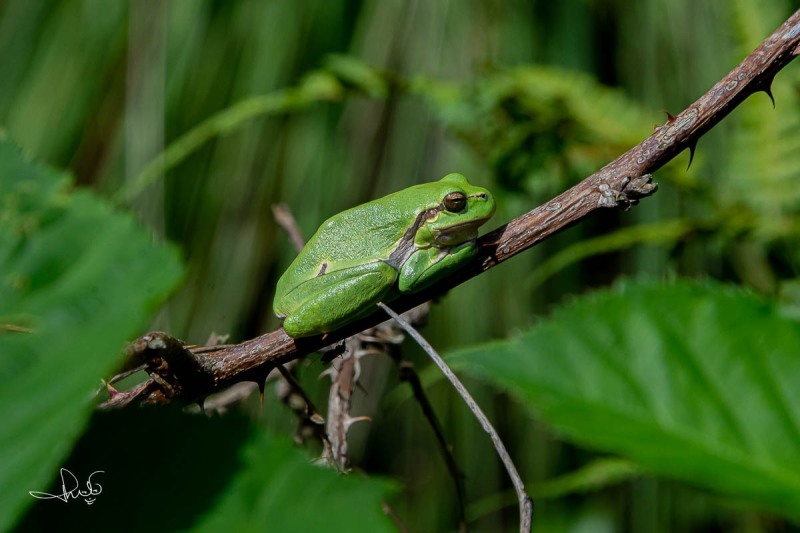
column 466, row 231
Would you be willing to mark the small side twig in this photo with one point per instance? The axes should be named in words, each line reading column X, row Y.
column 15, row 328
column 283, row 216
column 525, row 502
column 311, row 421
column 344, row 375
column 313, row 413
column 221, row 402
column 409, row 374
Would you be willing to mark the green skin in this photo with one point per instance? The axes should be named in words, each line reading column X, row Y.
column 374, row 252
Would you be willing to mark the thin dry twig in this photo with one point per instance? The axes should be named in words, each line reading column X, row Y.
column 253, row 359
column 525, row 502
column 344, row 374
column 409, row 374
column 221, row 402
column 285, row 219
column 311, row 421
column 15, row 328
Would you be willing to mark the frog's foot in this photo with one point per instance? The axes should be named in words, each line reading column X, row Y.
column 629, row 194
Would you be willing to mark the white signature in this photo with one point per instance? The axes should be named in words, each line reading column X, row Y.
column 70, row 488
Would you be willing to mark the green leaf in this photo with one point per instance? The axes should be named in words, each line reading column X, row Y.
column 83, row 279
column 221, row 473
column 697, row 382
column 278, row 489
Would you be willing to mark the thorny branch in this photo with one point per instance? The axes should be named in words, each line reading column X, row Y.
column 344, row 374
column 178, row 373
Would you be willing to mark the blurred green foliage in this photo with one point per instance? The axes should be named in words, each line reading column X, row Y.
column 76, row 282
column 679, row 359
column 223, row 108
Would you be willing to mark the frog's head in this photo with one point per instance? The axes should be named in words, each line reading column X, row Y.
column 457, row 211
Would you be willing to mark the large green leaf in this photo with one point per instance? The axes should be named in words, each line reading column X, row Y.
column 278, row 489
column 698, row 382
column 82, row 278
column 204, row 473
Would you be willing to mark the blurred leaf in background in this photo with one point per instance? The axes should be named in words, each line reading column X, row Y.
column 77, row 279
column 539, row 128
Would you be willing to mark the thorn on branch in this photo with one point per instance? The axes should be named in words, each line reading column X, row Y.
column 262, row 383
column 765, row 86
column 260, row 376
column 768, row 90
column 112, row 392
column 692, row 148
column 670, row 120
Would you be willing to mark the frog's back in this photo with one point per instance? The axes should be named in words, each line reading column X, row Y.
column 366, row 232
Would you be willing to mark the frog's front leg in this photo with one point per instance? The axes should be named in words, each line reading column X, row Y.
column 431, row 264
column 331, row 300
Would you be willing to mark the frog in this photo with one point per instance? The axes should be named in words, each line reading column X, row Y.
column 375, row 252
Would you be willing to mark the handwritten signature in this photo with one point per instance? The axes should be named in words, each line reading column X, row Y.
column 70, row 488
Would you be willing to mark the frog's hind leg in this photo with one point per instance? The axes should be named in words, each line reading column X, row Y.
column 334, row 299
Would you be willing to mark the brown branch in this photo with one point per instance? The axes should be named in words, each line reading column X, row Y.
column 253, row 359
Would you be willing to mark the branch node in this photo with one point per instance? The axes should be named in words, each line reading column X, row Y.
column 633, row 190
column 177, row 371
column 629, row 193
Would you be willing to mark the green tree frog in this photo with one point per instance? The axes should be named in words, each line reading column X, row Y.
column 376, row 251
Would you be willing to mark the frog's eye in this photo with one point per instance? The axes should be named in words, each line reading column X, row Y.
column 455, row 202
